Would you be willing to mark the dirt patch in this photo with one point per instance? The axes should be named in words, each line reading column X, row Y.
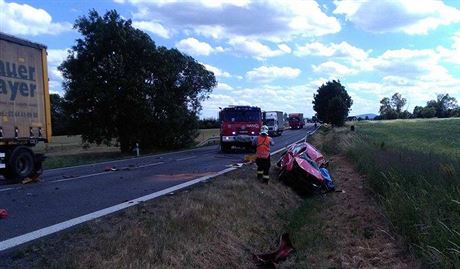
column 362, row 232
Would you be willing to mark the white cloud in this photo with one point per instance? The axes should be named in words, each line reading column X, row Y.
column 269, row 73
column 217, row 71
column 418, row 74
column 205, row 3
column 285, row 48
column 288, row 99
column 342, row 49
column 216, row 100
column 416, row 93
column 408, row 63
column 224, row 87
column 55, row 58
column 152, row 27
column 194, row 47
column 397, row 15
column 256, row 49
column 452, row 54
column 273, row 20
column 17, row 19
column 333, row 69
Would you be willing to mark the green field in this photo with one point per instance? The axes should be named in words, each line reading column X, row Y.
column 413, row 166
column 439, row 136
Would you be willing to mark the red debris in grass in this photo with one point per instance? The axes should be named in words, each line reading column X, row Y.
column 3, row 213
column 269, row 260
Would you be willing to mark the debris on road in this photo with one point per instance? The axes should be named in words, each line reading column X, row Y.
column 110, row 168
column 28, row 180
column 303, row 168
column 270, row 260
column 250, row 158
column 3, row 213
column 237, row 165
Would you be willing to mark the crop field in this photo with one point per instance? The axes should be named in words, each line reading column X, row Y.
column 205, row 134
column 438, row 136
column 413, row 166
column 69, row 150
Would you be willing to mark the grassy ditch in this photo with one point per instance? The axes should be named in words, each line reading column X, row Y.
column 413, row 166
column 218, row 224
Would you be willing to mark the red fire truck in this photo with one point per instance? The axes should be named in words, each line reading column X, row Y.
column 296, row 120
column 240, row 126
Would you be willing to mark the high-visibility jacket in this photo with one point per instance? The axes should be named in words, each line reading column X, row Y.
column 263, row 146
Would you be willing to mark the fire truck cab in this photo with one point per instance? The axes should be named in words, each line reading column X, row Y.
column 240, row 126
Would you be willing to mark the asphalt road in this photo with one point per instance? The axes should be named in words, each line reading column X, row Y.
column 68, row 193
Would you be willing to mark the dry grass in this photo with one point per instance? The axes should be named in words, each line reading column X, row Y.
column 71, row 145
column 216, row 225
column 361, row 231
column 69, row 150
column 205, row 134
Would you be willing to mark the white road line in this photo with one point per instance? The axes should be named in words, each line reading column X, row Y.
column 7, row 189
column 80, row 177
column 126, row 159
column 106, row 172
column 146, row 165
column 187, row 158
column 18, row 240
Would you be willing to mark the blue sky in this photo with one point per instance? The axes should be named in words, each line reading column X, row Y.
column 276, row 53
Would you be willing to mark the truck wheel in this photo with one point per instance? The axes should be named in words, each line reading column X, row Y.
column 225, row 148
column 20, row 164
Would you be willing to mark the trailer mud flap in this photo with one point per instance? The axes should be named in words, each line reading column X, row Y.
column 2, row 160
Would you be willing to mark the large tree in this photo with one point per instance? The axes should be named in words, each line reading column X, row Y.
column 59, row 118
column 397, row 102
column 178, row 85
column 443, row 105
column 120, row 86
column 392, row 108
column 386, row 109
column 332, row 103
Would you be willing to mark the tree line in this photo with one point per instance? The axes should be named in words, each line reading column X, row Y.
column 332, row 105
column 444, row 106
column 119, row 86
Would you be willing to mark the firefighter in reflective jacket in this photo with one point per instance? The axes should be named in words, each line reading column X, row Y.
column 263, row 154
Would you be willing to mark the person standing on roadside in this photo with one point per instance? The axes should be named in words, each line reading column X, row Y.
column 263, row 154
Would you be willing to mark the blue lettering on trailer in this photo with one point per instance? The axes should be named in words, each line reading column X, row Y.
column 10, row 73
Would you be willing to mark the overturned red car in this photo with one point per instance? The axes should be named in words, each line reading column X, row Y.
column 303, row 167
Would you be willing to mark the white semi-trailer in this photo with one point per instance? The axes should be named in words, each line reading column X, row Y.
column 275, row 122
column 25, row 115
